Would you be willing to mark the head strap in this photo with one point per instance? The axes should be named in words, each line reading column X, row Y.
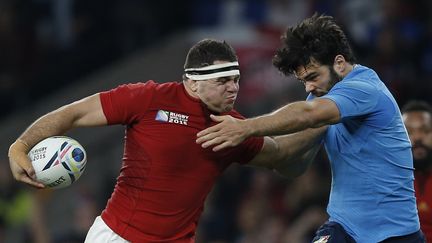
column 213, row 71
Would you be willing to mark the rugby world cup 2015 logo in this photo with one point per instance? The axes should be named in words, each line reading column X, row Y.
column 71, row 158
column 172, row 117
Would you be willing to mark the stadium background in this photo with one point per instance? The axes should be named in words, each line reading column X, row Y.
column 55, row 51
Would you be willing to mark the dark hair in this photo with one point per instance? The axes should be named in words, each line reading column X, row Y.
column 417, row 105
column 318, row 38
column 207, row 51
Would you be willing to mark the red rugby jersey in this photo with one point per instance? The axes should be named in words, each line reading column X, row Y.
column 423, row 188
column 165, row 176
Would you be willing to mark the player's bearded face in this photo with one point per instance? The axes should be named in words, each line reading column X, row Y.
column 219, row 94
column 419, row 128
column 317, row 79
column 422, row 156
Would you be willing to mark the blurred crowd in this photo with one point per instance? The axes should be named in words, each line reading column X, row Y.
column 47, row 44
column 254, row 206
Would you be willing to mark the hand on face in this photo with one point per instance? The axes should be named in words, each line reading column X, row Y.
column 228, row 133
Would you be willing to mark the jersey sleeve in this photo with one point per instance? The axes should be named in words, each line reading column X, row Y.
column 127, row 103
column 244, row 152
column 354, row 98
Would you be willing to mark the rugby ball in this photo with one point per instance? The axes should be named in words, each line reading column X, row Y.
column 58, row 161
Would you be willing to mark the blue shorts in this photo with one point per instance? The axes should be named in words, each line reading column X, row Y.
column 332, row 232
column 416, row 237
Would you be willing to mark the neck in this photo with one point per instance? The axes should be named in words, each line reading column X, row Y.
column 348, row 68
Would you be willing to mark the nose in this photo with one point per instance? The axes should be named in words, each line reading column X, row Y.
column 309, row 87
column 233, row 86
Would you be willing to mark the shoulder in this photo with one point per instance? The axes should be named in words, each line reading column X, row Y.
column 148, row 86
column 140, row 85
column 364, row 80
column 361, row 77
column 133, row 87
column 166, row 87
column 355, row 84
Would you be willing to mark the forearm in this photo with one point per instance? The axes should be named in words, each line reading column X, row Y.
column 54, row 123
column 294, row 117
column 83, row 113
column 291, row 118
column 296, row 166
column 297, row 151
column 296, row 144
column 57, row 122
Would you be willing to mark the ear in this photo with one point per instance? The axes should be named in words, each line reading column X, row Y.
column 193, row 84
column 339, row 64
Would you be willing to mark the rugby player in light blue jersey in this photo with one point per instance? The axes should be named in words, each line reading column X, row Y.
column 372, row 194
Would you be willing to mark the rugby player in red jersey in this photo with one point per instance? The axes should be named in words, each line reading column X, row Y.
column 165, row 176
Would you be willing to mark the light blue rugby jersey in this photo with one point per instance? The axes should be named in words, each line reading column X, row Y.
column 372, row 191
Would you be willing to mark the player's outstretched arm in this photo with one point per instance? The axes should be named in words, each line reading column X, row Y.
column 290, row 155
column 82, row 113
column 289, row 119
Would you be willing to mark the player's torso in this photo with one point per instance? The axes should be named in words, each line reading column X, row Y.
column 372, row 172
column 165, row 176
column 165, row 137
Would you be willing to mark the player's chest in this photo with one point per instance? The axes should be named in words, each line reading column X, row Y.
column 173, row 120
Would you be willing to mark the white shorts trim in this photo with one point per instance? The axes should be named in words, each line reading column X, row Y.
column 99, row 232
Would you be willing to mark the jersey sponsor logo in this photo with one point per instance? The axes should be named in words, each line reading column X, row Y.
column 171, row 117
column 323, row 239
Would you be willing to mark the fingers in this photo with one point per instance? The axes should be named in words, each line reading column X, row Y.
column 218, row 135
column 215, row 140
column 23, row 162
column 222, row 146
column 21, row 166
column 27, row 176
column 211, row 129
column 208, row 134
column 26, row 179
column 218, row 118
column 206, row 140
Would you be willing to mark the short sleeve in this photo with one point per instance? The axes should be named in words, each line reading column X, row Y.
column 249, row 149
column 127, row 103
column 354, row 98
